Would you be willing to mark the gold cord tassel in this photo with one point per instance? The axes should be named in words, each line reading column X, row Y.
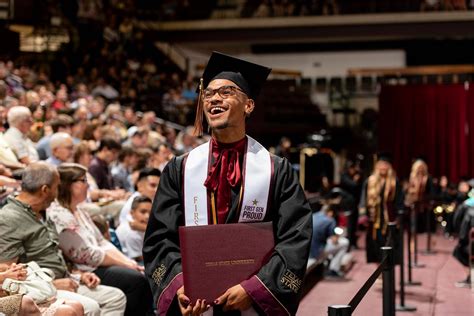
column 213, row 208
column 199, row 112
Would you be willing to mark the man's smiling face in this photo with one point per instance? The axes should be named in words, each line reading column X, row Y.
column 228, row 112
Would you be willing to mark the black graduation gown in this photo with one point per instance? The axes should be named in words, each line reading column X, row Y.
column 292, row 222
column 373, row 245
column 423, row 205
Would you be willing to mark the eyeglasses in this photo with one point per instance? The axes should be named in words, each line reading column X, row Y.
column 84, row 180
column 224, row 92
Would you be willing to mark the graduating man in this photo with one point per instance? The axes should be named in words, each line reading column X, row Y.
column 217, row 183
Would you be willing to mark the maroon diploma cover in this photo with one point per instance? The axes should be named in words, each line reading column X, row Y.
column 217, row 257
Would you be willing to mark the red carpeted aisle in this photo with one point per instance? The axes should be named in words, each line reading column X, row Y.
column 437, row 296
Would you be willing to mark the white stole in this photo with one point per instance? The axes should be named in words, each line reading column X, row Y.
column 256, row 179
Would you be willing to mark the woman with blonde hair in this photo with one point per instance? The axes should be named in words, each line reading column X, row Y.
column 420, row 188
column 418, row 183
column 381, row 198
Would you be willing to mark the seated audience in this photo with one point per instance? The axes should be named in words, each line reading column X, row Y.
column 107, row 232
column 147, row 184
column 62, row 148
column 99, row 167
column 185, row 140
column 161, row 156
column 28, row 236
column 130, row 239
column 24, row 305
column 137, row 137
column 7, row 156
column 326, row 243
column 20, row 120
column 121, row 172
column 62, row 124
column 102, row 201
column 83, row 244
column 19, row 305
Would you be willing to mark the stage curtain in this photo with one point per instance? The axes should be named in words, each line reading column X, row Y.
column 470, row 129
column 430, row 121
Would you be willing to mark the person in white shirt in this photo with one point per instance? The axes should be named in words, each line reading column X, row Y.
column 132, row 240
column 20, row 120
column 147, row 183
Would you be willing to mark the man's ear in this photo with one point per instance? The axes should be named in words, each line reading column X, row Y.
column 45, row 188
column 249, row 107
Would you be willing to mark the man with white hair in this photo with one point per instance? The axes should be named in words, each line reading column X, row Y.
column 62, row 123
column 62, row 147
column 20, row 120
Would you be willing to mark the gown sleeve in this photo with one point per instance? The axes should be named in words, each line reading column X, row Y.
column 276, row 288
column 161, row 251
column 363, row 198
column 399, row 198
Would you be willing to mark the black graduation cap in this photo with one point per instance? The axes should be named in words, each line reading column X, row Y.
column 420, row 157
column 247, row 76
column 384, row 156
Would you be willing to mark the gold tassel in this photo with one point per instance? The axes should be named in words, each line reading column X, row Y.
column 213, row 208
column 199, row 111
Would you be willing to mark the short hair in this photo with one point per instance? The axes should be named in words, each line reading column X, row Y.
column 126, row 151
column 101, row 223
column 80, row 149
column 3, row 90
column 58, row 139
column 110, row 144
column 62, row 120
column 140, row 131
column 17, row 114
column 146, row 172
column 37, row 174
column 138, row 200
column 112, row 109
column 144, row 155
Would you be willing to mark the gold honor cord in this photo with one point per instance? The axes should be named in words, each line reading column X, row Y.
column 213, row 208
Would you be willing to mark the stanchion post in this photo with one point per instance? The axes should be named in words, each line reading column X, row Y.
column 388, row 283
column 402, row 307
column 428, row 216
column 409, row 247
column 414, row 225
column 392, row 233
column 339, row 310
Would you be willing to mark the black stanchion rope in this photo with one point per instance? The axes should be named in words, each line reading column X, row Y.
column 367, row 285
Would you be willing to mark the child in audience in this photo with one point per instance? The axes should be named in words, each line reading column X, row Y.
column 132, row 240
column 106, row 231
